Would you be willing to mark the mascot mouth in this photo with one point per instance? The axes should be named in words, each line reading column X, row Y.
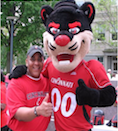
column 65, row 58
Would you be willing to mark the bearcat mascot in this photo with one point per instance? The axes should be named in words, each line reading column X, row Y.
column 76, row 85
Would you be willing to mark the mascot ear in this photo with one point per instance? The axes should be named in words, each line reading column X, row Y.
column 89, row 10
column 45, row 12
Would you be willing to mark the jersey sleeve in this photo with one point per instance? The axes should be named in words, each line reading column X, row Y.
column 45, row 68
column 15, row 97
column 98, row 74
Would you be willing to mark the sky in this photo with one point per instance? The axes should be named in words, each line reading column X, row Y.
column 88, row 0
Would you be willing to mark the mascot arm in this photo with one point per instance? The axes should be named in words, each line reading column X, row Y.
column 93, row 97
column 18, row 71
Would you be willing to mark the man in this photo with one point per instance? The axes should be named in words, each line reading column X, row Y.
column 109, row 74
column 27, row 97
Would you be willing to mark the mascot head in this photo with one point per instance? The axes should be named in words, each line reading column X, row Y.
column 68, row 33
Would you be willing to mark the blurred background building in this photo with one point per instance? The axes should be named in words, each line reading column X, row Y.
column 105, row 30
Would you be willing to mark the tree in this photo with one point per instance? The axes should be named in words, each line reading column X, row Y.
column 107, row 12
column 28, row 28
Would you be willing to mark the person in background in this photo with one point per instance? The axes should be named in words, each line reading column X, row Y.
column 3, row 106
column 7, row 80
column 114, row 78
column 28, row 96
column 109, row 74
column 117, row 75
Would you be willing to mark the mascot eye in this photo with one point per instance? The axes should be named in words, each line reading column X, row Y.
column 54, row 30
column 74, row 30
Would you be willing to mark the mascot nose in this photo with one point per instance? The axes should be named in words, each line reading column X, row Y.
column 62, row 40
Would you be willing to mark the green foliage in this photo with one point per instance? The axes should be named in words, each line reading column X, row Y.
column 106, row 13
column 102, row 5
column 3, row 57
column 28, row 28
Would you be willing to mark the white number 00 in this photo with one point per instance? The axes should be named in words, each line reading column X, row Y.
column 63, row 104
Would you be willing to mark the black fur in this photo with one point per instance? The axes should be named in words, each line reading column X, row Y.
column 18, row 71
column 93, row 97
column 107, row 96
column 68, row 12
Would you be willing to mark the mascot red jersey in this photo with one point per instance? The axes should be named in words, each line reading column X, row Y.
column 76, row 85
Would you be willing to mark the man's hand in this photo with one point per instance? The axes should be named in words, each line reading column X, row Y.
column 45, row 109
column 18, row 71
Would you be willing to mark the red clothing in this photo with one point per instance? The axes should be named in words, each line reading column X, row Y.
column 27, row 92
column 68, row 115
column 3, row 100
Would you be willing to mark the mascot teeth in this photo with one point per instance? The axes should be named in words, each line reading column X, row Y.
column 66, row 62
column 65, row 57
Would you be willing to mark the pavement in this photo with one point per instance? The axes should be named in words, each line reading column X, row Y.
column 109, row 112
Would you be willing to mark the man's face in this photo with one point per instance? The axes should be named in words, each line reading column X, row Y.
column 34, row 65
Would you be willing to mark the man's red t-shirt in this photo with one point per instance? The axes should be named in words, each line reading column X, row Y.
column 27, row 92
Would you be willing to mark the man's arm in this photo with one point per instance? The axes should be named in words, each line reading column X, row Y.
column 28, row 114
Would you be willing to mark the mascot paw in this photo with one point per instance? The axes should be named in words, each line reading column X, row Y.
column 18, row 71
column 86, row 95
